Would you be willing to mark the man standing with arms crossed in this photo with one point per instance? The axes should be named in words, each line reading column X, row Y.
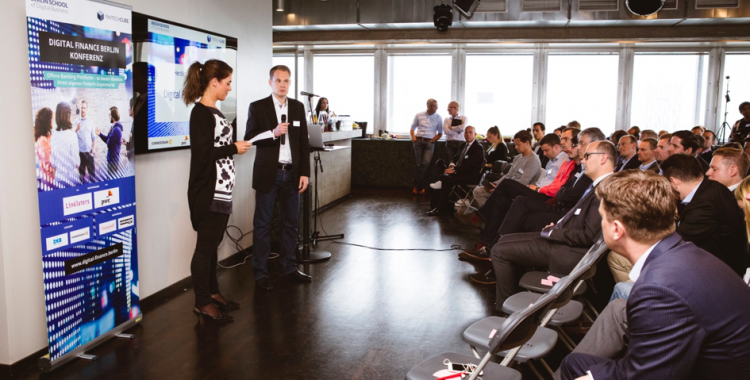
column 281, row 170
column 425, row 130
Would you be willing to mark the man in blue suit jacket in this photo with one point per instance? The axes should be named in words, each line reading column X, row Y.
column 688, row 312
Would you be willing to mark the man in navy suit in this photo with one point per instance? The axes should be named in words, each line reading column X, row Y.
column 688, row 313
column 281, row 171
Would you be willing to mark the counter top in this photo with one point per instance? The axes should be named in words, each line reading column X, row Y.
column 341, row 135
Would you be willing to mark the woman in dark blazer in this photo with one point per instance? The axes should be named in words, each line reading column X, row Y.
column 211, row 181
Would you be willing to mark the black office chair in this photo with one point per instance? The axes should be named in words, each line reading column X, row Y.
column 515, row 330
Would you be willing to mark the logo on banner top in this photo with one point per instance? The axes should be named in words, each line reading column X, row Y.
column 209, row 38
column 107, row 198
column 101, row 16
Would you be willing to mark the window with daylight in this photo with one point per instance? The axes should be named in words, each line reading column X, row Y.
column 348, row 81
column 412, row 80
column 735, row 67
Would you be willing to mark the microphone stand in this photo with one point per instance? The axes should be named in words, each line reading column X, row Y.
column 724, row 126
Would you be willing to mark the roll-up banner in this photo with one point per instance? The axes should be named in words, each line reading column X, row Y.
column 80, row 60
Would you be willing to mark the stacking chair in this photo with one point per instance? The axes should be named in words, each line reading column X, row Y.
column 515, row 330
column 465, row 193
column 572, row 310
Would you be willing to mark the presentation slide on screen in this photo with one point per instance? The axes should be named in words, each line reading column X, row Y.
column 169, row 52
column 80, row 60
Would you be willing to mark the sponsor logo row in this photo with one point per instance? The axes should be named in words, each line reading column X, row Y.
column 83, row 202
column 83, row 234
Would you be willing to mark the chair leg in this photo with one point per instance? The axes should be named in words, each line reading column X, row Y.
column 565, row 338
column 474, row 351
column 591, row 306
column 546, row 366
column 533, row 369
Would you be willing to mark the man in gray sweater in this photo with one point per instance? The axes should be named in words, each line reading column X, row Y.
column 524, row 169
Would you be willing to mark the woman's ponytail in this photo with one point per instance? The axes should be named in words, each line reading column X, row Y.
column 198, row 77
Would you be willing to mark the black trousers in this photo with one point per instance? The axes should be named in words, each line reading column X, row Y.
column 203, row 267
column 87, row 164
column 513, row 253
column 496, row 208
column 528, row 214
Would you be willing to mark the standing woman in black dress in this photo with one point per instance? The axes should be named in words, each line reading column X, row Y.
column 211, row 181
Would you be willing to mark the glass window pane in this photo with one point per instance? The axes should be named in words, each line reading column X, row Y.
column 349, row 84
column 411, row 81
column 736, row 68
column 582, row 88
column 499, row 92
column 288, row 61
column 666, row 91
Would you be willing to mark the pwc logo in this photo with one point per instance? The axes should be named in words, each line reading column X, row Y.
column 106, row 198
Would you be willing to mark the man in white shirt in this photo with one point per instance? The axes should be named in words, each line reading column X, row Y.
column 85, row 131
column 454, row 134
column 425, row 130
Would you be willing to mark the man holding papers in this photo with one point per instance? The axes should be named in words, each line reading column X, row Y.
column 282, row 169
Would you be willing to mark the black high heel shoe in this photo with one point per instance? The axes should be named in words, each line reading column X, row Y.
column 222, row 318
column 224, row 307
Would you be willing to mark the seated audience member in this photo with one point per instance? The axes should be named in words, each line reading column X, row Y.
column 685, row 142
column 741, row 128
column 735, row 145
column 574, row 124
column 538, row 132
column 646, row 155
column 556, row 174
column 709, row 138
column 533, row 213
column 559, row 130
column 616, row 136
column 662, row 132
column 560, row 245
column 746, row 147
column 701, row 143
column 628, row 147
column 698, row 130
column 728, row 167
column 742, row 195
column 646, row 133
column 635, row 132
column 498, row 150
column 687, row 316
column 465, row 168
column 524, row 169
column 708, row 213
column 662, row 148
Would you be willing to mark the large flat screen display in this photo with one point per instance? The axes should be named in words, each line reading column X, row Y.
column 164, row 51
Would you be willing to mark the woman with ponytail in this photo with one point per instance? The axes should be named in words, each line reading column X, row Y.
column 498, row 150
column 211, row 182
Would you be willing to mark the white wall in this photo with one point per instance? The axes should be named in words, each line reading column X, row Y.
column 165, row 236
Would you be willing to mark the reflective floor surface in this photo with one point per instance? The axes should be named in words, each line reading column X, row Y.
column 368, row 314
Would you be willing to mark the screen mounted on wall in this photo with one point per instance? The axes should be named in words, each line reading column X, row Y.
column 164, row 50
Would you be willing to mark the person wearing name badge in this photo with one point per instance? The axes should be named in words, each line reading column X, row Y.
column 84, row 129
column 64, row 156
column 211, row 182
column 113, row 139
column 425, row 130
column 281, row 171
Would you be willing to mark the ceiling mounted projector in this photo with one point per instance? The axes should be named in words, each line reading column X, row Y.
column 644, row 7
column 443, row 17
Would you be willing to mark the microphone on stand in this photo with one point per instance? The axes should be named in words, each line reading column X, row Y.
column 305, row 93
column 283, row 139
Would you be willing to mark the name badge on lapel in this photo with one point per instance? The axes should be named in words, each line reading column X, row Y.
column 295, row 123
column 466, row 157
column 578, row 212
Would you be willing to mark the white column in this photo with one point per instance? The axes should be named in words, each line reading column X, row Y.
column 624, row 88
column 458, row 82
column 308, row 86
column 380, row 111
column 714, row 86
column 539, row 92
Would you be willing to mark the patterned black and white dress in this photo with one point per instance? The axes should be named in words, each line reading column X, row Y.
column 225, row 169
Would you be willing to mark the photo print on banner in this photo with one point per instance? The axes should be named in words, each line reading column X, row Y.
column 80, row 61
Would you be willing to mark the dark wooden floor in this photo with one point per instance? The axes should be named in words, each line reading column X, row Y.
column 367, row 315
